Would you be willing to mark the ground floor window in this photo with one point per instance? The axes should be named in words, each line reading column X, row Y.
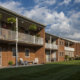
column 61, row 53
column 27, row 52
column 14, row 51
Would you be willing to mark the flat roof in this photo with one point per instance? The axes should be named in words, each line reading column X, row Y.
column 19, row 15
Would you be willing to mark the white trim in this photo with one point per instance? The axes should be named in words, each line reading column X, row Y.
column 29, row 52
column 1, row 56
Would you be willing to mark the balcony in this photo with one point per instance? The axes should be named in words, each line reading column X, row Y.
column 69, row 49
column 51, row 46
column 10, row 35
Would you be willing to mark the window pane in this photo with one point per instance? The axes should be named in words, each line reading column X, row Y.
column 14, row 51
column 26, row 52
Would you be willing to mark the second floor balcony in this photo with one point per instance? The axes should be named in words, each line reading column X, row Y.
column 51, row 46
column 10, row 35
column 69, row 49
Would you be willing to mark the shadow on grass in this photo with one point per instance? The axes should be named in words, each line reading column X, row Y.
column 56, row 71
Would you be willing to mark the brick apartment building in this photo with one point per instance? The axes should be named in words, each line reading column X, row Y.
column 31, row 45
column 56, row 48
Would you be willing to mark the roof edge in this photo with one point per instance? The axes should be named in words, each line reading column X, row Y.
column 17, row 14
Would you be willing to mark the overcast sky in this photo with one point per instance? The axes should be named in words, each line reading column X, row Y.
column 62, row 17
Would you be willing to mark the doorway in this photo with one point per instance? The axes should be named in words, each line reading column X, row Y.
column 47, row 56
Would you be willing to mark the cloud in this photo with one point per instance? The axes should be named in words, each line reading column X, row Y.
column 77, row 1
column 13, row 5
column 45, row 2
column 75, row 36
column 57, row 21
column 66, row 2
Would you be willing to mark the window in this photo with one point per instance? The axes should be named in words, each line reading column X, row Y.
column 27, row 52
column 61, row 43
column 14, row 51
column 61, row 53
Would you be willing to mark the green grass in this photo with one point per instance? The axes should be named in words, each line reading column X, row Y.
column 69, row 70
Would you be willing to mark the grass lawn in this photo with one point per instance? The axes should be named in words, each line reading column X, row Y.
column 54, row 71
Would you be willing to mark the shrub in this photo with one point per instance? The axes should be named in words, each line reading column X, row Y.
column 77, row 58
column 66, row 57
column 11, row 20
column 38, row 35
column 33, row 27
column 71, row 58
column 10, row 62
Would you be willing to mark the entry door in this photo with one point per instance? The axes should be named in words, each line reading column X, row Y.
column 54, row 55
column 0, row 56
column 47, row 57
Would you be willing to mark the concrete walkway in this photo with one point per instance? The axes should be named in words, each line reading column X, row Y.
column 2, row 67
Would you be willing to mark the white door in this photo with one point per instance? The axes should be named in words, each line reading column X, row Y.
column 54, row 55
column 47, row 56
column 0, row 56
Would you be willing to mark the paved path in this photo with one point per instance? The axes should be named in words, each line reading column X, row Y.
column 20, row 66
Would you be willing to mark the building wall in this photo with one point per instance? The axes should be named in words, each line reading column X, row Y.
column 35, row 51
column 60, row 44
column 7, row 54
column 77, row 49
column 40, row 53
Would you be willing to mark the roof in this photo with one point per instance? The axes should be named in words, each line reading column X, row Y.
column 63, row 38
column 19, row 15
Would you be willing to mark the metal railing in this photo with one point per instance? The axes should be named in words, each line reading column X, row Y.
column 10, row 35
column 69, row 49
column 51, row 46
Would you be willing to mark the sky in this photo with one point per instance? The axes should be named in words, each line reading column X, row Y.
column 61, row 17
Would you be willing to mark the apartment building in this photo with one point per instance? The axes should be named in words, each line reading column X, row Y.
column 56, row 48
column 20, row 42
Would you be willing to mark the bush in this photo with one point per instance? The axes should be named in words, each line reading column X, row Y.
column 77, row 58
column 11, row 20
column 10, row 62
column 38, row 35
column 33, row 27
column 66, row 57
column 71, row 58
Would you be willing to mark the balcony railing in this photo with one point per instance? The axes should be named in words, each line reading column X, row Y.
column 10, row 35
column 69, row 49
column 51, row 46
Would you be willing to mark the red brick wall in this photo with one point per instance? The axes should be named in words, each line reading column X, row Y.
column 7, row 54
column 60, row 49
column 40, row 53
column 77, row 49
